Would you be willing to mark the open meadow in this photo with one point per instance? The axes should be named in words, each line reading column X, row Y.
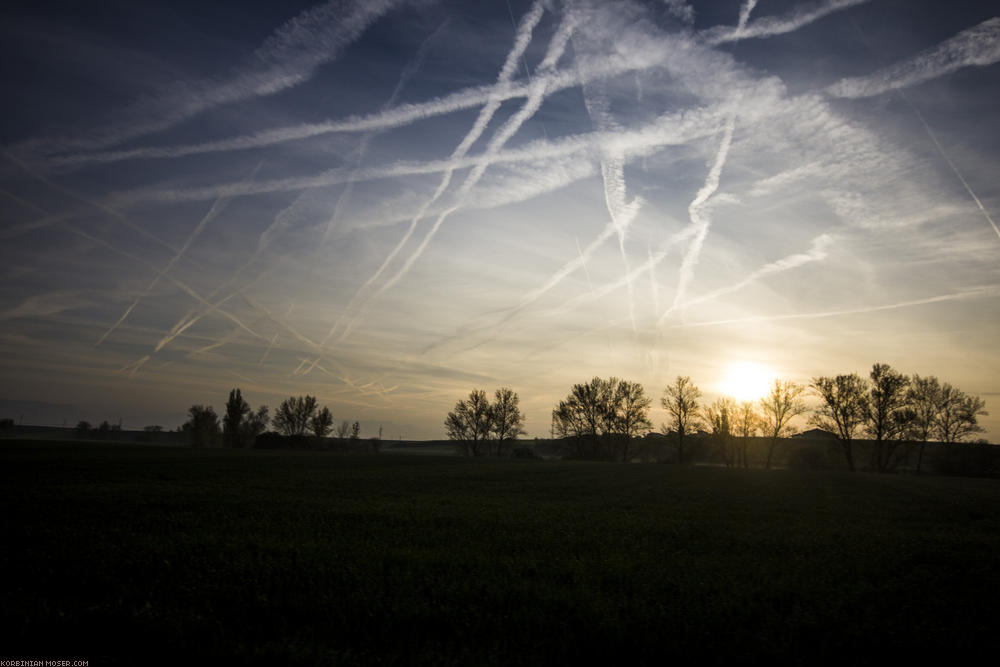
column 122, row 552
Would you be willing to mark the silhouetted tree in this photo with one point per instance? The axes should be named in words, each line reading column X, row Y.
column 924, row 397
column 506, row 419
column 887, row 416
column 958, row 415
column 202, row 426
column 721, row 416
column 842, row 410
column 585, row 416
column 681, row 400
column 782, row 402
column 255, row 424
column 746, row 422
column 155, row 428
column 470, row 423
column 343, row 429
column 629, row 415
column 237, row 410
column 293, row 415
column 321, row 422
column 355, row 431
column 82, row 428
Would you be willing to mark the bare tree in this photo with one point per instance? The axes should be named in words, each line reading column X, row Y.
column 255, row 424
column 886, row 415
column 321, row 422
column 958, row 415
column 355, row 431
column 721, row 416
column 924, row 397
column 681, row 400
column 343, row 429
column 293, row 415
column 629, row 415
column 746, row 423
column 506, row 419
column 470, row 422
column 778, row 407
column 842, row 410
column 585, row 416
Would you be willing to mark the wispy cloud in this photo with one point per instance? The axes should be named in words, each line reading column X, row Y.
column 769, row 26
column 979, row 45
column 818, row 251
column 218, row 206
column 288, row 57
column 986, row 292
column 701, row 218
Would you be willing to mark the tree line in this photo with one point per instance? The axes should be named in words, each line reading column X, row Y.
column 606, row 419
column 296, row 419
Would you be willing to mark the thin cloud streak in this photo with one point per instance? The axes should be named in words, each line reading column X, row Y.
column 818, row 251
column 986, row 292
column 607, row 66
column 979, row 45
column 218, row 206
column 288, row 57
column 522, row 38
column 700, row 218
column 771, row 26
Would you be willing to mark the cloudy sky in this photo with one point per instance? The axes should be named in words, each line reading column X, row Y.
column 388, row 203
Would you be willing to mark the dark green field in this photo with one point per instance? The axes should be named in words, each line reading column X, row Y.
column 133, row 552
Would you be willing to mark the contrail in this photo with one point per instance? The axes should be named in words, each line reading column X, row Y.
column 670, row 128
column 608, row 66
column 654, row 287
column 745, row 10
column 521, row 40
column 282, row 221
column 404, row 78
column 816, row 253
column 317, row 349
column 700, row 221
column 556, row 48
column 613, row 176
column 979, row 45
column 217, row 207
column 647, row 266
column 194, row 295
column 958, row 174
column 975, row 293
column 72, row 195
column 23, row 202
column 965, row 48
column 770, row 26
column 135, row 366
column 290, row 56
column 268, row 350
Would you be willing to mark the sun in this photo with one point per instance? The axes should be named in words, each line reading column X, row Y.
column 746, row 381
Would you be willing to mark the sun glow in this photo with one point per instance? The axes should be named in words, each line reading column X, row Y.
column 746, row 381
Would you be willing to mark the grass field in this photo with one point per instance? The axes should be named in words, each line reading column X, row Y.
column 115, row 553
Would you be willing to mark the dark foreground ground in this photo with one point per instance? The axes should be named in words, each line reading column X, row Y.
column 136, row 555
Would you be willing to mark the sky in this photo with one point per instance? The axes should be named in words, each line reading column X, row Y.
column 389, row 203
